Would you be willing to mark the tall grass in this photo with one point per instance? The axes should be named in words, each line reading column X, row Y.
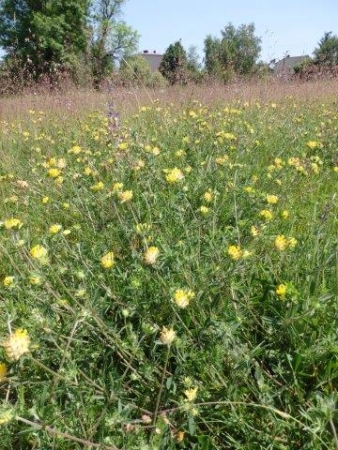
column 170, row 282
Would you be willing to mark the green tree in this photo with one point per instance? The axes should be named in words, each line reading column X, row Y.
column 327, row 50
column 45, row 35
column 174, row 64
column 235, row 52
column 112, row 39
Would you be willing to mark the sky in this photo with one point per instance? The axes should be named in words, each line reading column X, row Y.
column 291, row 27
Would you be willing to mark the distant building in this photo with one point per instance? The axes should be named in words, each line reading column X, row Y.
column 153, row 59
column 286, row 66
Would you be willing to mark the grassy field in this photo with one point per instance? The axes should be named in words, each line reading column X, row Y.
column 169, row 279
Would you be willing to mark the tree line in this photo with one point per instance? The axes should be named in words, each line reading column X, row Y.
column 88, row 41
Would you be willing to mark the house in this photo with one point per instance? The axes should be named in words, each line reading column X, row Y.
column 286, row 66
column 153, row 59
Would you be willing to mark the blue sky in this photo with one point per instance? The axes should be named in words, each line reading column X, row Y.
column 284, row 26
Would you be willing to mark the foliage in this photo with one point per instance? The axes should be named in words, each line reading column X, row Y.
column 112, row 40
column 135, row 70
column 327, row 51
column 236, row 52
column 170, row 282
column 174, row 64
column 44, row 36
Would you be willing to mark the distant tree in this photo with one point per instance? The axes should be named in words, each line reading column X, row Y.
column 235, row 52
column 193, row 65
column 174, row 64
column 134, row 70
column 112, row 39
column 44, row 34
column 327, row 50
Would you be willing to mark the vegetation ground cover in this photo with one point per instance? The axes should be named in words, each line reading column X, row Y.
column 170, row 280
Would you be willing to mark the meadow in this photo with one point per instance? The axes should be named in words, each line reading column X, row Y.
column 169, row 274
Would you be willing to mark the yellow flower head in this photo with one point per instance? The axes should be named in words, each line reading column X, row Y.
column 182, row 297
column 285, row 214
column 281, row 243
column 150, row 256
column 13, row 223
column 266, row 214
column 17, row 344
column 38, row 252
column 108, row 260
column 204, row 210
column 54, row 229
column 174, row 176
column 76, row 149
column 54, row 172
column 272, row 199
column 281, row 290
column 208, row 196
column 8, row 281
column 254, row 231
column 191, row 394
column 125, row 196
column 97, row 186
column 234, row 252
column 167, row 336
column 292, row 242
column 313, row 145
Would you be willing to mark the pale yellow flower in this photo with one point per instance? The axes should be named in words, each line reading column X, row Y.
column 272, row 199
column 285, row 214
column 208, row 196
column 17, row 344
column 9, row 224
column 182, row 297
column 266, row 214
column 38, row 252
column 55, row 228
column 254, row 231
column 76, row 149
column 108, row 260
column 54, row 172
column 234, row 252
column 8, row 281
column 204, row 210
column 191, row 394
column 97, row 186
column 174, row 176
column 125, row 196
column 167, row 336
column 292, row 242
column 150, row 256
column 281, row 243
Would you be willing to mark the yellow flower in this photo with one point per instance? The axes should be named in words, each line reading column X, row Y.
column 204, row 210
column 174, row 176
column 13, row 223
column 335, row 169
column 151, row 255
column 117, row 187
column 182, row 297
column 54, row 229
column 179, row 436
column 272, row 199
column 292, row 242
column 54, row 172
column 97, row 187
column 17, row 344
column 281, row 243
column 167, row 336
column 285, row 214
column 125, row 196
column 8, row 281
column 254, row 231
column 208, row 196
column 281, row 290
column 38, row 252
column 76, row 149
column 313, row 144
column 266, row 214
column 191, row 394
column 45, row 200
column 7, row 413
column 108, row 260
column 234, row 252
column 35, row 280
column 3, row 372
